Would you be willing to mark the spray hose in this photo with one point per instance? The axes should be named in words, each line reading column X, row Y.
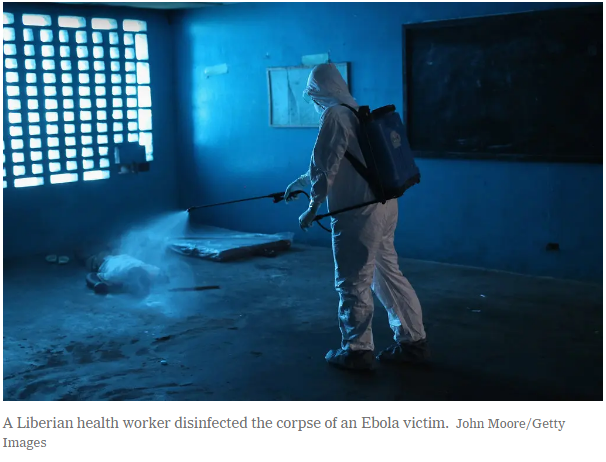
column 279, row 197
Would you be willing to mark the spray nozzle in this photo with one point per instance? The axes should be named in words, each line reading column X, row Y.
column 277, row 197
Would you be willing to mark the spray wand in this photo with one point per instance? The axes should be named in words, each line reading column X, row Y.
column 279, row 197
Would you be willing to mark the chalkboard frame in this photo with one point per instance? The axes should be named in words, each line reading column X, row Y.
column 407, row 29
column 271, row 70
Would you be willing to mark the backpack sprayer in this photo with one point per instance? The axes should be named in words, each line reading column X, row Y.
column 389, row 167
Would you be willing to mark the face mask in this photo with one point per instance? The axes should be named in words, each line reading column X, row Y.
column 319, row 109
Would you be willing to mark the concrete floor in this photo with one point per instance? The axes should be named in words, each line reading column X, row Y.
column 264, row 334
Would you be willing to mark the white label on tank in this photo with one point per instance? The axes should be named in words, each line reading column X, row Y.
column 396, row 141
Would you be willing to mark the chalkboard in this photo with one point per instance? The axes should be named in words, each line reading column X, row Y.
column 522, row 86
column 287, row 108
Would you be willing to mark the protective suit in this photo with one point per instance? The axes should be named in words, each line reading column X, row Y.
column 362, row 239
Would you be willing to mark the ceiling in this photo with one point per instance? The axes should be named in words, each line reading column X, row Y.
column 154, row 5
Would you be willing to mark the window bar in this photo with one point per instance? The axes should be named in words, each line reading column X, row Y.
column 78, row 122
column 122, row 47
column 109, row 96
column 8, row 149
column 92, row 97
column 23, row 98
column 41, row 110
column 62, row 148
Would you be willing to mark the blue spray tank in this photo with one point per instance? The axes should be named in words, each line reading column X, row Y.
column 390, row 166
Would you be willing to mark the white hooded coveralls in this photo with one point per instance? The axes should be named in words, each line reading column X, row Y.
column 362, row 239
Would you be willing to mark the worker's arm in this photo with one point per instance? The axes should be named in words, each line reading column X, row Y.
column 299, row 183
column 329, row 150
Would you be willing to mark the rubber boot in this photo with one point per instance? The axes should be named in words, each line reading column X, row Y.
column 355, row 360
column 405, row 353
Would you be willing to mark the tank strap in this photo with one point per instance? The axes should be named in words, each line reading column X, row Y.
column 357, row 113
column 359, row 167
column 350, row 108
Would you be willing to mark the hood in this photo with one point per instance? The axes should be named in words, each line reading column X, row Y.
column 326, row 87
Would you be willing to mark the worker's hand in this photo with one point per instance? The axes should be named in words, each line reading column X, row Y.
column 307, row 218
column 299, row 183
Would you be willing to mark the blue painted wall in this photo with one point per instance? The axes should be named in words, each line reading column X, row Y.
column 489, row 214
column 61, row 217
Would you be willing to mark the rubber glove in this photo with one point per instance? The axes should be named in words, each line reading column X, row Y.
column 299, row 183
column 307, row 218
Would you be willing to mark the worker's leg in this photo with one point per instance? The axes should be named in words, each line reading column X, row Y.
column 355, row 242
column 396, row 293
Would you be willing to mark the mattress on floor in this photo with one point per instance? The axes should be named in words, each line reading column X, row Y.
column 223, row 245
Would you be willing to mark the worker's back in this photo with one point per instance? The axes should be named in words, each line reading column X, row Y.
column 349, row 188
